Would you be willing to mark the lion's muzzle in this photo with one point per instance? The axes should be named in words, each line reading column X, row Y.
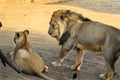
column 49, row 32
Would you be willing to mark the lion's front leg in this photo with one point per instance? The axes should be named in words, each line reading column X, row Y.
column 78, row 60
column 109, row 54
column 61, row 57
column 66, row 47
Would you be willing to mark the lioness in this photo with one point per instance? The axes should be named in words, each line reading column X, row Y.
column 73, row 31
column 25, row 59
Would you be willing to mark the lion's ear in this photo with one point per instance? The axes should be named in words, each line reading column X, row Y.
column 64, row 38
column 68, row 11
column 17, row 34
column 65, row 13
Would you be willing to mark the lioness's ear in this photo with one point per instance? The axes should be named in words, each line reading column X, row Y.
column 64, row 38
column 26, row 32
column 17, row 34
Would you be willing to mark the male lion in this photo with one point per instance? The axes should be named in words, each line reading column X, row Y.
column 24, row 58
column 73, row 31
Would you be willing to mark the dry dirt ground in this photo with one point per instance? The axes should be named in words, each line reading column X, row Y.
column 17, row 15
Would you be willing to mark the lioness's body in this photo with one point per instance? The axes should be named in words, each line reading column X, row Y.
column 27, row 65
column 26, row 59
column 81, row 33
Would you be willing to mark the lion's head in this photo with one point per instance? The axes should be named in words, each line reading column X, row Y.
column 58, row 23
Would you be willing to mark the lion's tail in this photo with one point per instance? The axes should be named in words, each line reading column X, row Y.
column 74, row 77
column 44, row 76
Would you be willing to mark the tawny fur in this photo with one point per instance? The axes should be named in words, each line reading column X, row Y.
column 26, row 59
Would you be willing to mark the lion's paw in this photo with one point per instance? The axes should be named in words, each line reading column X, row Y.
column 73, row 67
column 56, row 64
column 102, row 76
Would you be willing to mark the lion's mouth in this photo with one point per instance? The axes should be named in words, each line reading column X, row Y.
column 55, row 36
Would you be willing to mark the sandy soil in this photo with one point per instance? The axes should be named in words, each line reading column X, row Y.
column 19, row 15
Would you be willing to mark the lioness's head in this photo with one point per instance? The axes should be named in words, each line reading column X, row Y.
column 58, row 23
column 19, row 36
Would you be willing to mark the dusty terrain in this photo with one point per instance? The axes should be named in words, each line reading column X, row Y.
column 17, row 15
